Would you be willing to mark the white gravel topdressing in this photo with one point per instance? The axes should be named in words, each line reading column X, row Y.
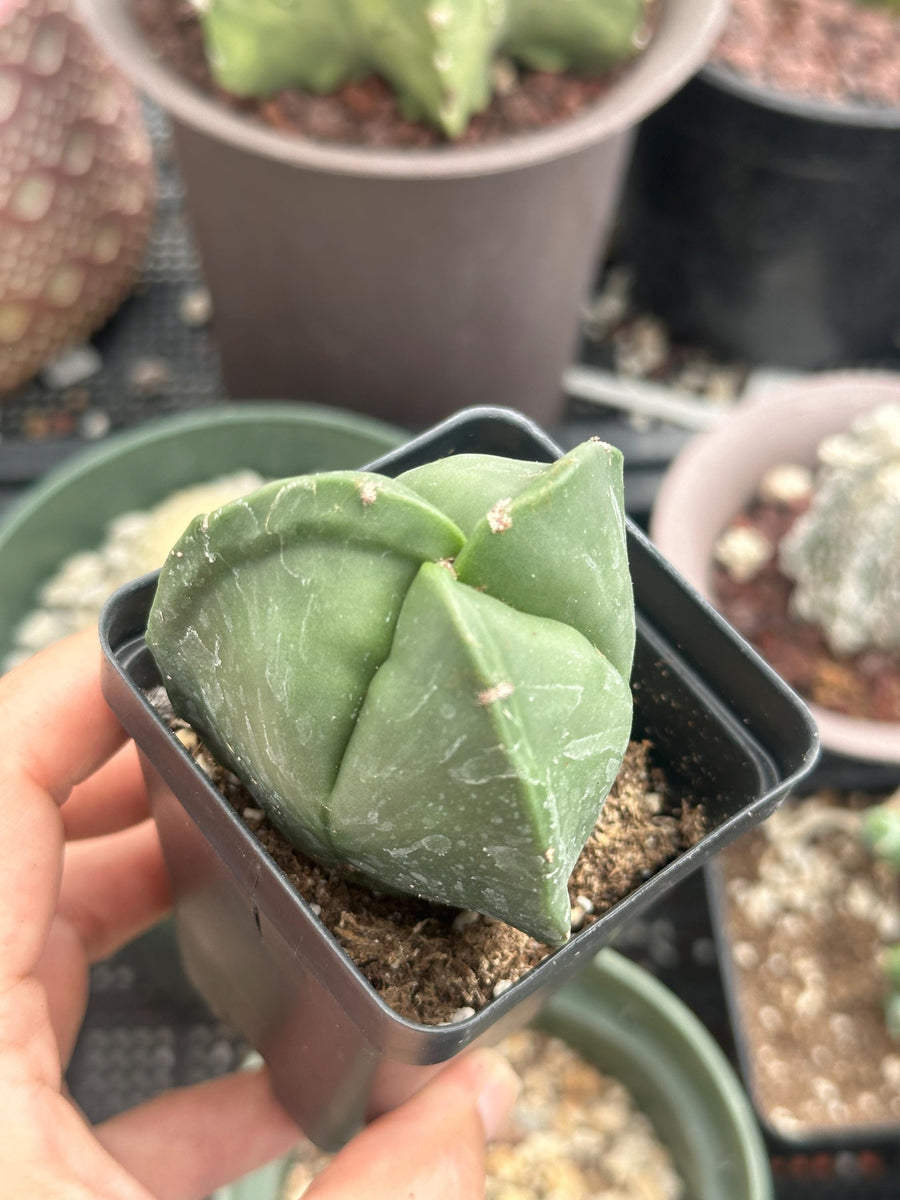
column 135, row 543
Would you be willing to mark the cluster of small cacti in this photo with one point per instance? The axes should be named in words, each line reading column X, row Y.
column 843, row 554
column 425, row 680
column 436, row 54
column 881, row 831
column 76, row 186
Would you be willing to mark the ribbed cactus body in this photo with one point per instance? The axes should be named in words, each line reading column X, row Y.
column 844, row 552
column 436, row 54
column 432, row 693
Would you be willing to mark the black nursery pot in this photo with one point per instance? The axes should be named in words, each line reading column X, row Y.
column 767, row 226
column 726, row 730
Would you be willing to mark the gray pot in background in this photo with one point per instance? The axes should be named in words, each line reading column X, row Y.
column 402, row 283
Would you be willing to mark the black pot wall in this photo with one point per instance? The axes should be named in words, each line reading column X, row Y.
column 767, row 227
column 727, row 731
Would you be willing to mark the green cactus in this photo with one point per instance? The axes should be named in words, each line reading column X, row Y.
column 436, row 54
column 844, row 552
column 422, row 679
column 881, row 833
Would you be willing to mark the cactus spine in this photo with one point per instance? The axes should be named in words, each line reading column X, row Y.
column 844, row 552
column 424, row 678
column 436, row 54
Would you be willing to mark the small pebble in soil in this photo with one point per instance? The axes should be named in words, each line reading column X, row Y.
column 71, row 368
column 149, row 376
column 195, row 307
column 742, row 551
column 786, row 484
column 94, row 424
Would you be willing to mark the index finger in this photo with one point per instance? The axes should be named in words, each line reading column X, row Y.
column 57, row 730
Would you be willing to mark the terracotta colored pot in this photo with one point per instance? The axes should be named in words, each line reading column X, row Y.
column 404, row 283
column 76, row 186
column 715, row 477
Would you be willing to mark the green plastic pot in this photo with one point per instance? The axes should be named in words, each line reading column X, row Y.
column 70, row 509
column 626, row 1023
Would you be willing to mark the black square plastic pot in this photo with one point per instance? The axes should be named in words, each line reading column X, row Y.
column 726, row 730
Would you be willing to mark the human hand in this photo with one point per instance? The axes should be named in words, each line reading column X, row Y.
column 81, row 873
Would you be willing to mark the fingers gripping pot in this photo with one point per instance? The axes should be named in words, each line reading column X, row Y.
column 258, row 953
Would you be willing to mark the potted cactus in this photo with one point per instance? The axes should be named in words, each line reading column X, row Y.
column 77, row 193
column 422, row 672
column 804, row 564
column 405, row 281
column 843, row 553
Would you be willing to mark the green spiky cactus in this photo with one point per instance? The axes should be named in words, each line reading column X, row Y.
column 424, row 679
column 844, row 552
column 436, row 54
column 881, row 832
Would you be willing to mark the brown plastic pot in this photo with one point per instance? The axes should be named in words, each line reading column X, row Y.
column 717, row 475
column 727, row 731
column 406, row 284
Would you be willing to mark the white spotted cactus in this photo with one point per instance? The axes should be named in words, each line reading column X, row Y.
column 436, row 54
column 844, row 552
column 76, row 186
column 424, row 680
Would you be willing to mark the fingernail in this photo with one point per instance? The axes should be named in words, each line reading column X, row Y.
column 497, row 1092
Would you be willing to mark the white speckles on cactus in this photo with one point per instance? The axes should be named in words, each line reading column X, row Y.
column 76, row 186
column 436, row 54
column 844, row 552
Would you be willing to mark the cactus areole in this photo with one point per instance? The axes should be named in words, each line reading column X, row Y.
column 436, row 54
column 422, row 680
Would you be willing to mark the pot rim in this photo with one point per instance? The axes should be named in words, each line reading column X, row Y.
column 686, row 32
column 808, row 108
column 679, row 498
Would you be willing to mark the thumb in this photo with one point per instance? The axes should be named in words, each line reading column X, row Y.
column 432, row 1147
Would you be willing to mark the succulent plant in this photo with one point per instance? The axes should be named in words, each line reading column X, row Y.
column 881, row 832
column 76, row 186
column 843, row 553
column 437, row 54
column 424, row 680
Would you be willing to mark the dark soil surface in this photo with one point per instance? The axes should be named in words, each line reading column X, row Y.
column 834, row 50
column 365, row 113
column 429, row 962
column 809, row 914
column 865, row 685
